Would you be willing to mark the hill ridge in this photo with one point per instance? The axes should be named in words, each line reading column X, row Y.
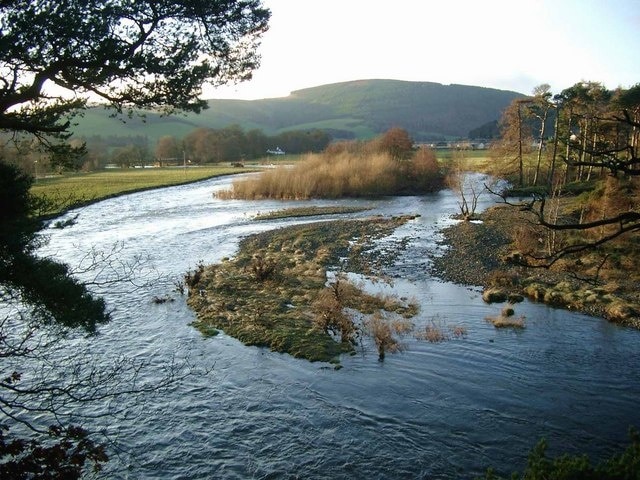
column 351, row 109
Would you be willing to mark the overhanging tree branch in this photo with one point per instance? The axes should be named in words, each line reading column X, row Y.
column 146, row 54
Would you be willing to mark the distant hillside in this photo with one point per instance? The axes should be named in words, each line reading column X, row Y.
column 357, row 109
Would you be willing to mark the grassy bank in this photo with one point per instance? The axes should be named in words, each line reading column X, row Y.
column 69, row 191
column 275, row 293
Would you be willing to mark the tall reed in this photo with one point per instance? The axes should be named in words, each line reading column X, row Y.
column 342, row 173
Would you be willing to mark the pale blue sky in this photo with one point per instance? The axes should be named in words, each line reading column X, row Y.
column 505, row 44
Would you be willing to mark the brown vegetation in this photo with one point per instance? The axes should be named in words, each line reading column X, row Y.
column 275, row 292
column 503, row 321
column 383, row 331
column 603, row 283
column 383, row 166
column 436, row 331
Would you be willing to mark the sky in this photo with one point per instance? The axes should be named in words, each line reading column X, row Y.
column 505, row 44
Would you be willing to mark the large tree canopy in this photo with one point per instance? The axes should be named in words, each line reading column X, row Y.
column 55, row 55
column 594, row 147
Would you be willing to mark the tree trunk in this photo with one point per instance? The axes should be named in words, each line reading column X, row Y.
column 552, row 169
column 520, row 161
column 543, row 120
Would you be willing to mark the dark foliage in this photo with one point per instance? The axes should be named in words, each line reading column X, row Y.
column 148, row 54
column 624, row 466
column 61, row 454
column 44, row 284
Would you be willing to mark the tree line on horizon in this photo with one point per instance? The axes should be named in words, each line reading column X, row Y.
column 583, row 133
column 201, row 146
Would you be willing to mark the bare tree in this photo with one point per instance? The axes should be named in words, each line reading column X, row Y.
column 467, row 186
column 540, row 107
column 598, row 133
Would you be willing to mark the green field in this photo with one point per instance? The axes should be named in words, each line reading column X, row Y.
column 64, row 192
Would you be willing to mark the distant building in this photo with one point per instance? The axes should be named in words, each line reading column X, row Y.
column 277, row 151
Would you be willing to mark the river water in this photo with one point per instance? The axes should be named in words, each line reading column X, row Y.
column 437, row 410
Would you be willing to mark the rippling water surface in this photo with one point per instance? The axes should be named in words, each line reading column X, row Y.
column 446, row 410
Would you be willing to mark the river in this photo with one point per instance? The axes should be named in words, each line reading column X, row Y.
column 437, row 410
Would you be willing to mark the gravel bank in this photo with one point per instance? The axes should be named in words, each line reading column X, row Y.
column 474, row 253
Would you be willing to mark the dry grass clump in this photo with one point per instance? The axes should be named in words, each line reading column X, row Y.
column 494, row 295
column 382, row 331
column 507, row 322
column 458, row 331
column 506, row 319
column 402, row 326
column 438, row 331
column 434, row 334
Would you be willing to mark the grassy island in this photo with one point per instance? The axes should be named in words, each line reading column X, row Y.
column 277, row 293
column 310, row 211
column 387, row 165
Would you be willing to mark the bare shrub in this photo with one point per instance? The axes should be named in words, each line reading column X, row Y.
column 380, row 328
column 528, row 239
column 262, row 268
column 433, row 333
column 458, row 331
column 436, row 331
column 192, row 278
column 466, row 187
column 329, row 310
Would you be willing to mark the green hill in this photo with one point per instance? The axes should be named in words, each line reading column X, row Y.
column 356, row 109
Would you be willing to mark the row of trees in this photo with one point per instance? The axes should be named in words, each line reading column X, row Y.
column 204, row 145
column 586, row 138
column 583, row 133
column 232, row 144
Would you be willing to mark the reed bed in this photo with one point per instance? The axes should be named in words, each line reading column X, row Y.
column 343, row 174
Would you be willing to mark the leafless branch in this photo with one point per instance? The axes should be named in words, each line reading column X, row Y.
column 625, row 222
